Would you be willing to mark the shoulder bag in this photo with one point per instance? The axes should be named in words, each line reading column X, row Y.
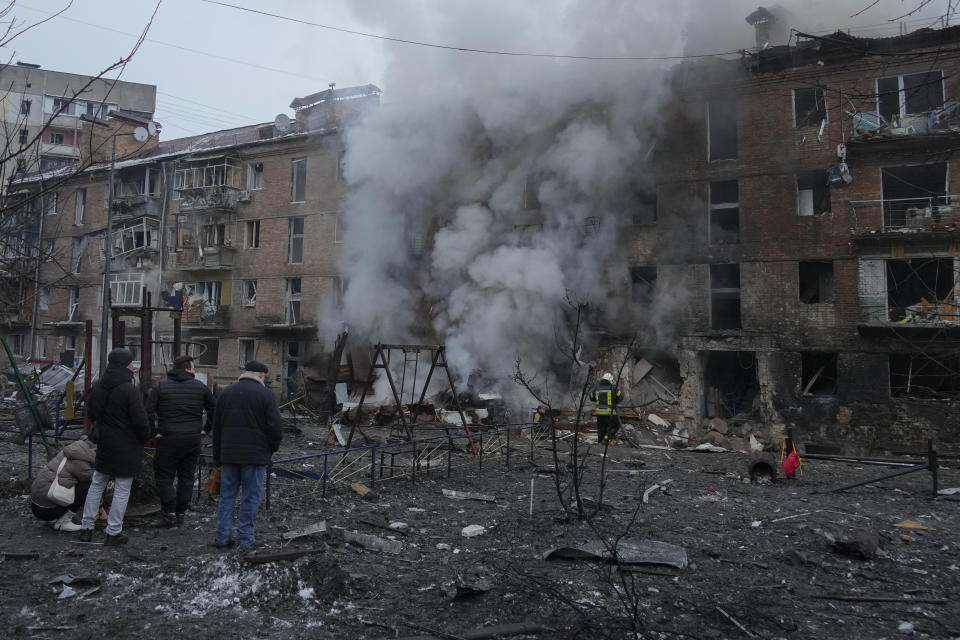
column 59, row 494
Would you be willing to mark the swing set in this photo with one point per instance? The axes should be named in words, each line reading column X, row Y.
column 411, row 356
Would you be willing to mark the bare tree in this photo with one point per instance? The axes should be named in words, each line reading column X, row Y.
column 31, row 190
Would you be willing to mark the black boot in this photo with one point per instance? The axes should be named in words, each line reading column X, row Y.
column 86, row 535
column 116, row 541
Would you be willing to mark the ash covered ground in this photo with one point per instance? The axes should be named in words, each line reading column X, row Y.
column 764, row 560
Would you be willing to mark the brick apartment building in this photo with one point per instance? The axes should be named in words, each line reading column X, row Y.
column 800, row 246
column 804, row 204
column 239, row 227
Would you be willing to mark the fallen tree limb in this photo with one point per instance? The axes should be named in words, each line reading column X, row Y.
column 738, row 625
column 261, row 558
column 856, row 598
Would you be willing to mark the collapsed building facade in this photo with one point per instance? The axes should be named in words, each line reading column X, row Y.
column 804, row 199
column 787, row 255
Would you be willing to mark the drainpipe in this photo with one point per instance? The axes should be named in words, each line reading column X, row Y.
column 161, row 243
column 36, row 282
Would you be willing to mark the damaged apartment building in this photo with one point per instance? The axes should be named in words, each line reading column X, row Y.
column 232, row 238
column 806, row 201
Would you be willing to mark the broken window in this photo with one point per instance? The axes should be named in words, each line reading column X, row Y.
column 43, row 298
column 25, row 107
column 813, row 193
column 212, row 235
column 126, row 289
column 643, row 281
column 922, row 290
column 179, row 179
column 249, row 293
column 342, row 166
column 722, row 128
column 295, row 248
column 293, row 301
column 724, row 212
column 731, row 385
column 246, row 350
column 914, row 195
column 80, row 207
column 210, row 292
column 298, row 180
column 818, row 374
column 291, row 365
column 725, row 296
column 809, row 107
column 251, row 234
column 50, row 200
column 339, row 287
column 816, row 282
column 928, row 376
column 214, row 176
column 24, row 136
column 63, row 106
column 645, row 207
column 56, row 138
column 338, row 228
column 207, row 352
column 531, row 196
column 73, row 301
column 915, row 93
column 255, row 176
column 76, row 258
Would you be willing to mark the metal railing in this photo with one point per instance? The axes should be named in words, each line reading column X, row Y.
column 933, row 213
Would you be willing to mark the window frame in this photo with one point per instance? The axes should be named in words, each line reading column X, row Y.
column 80, row 207
column 298, row 180
column 246, row 299
column 295, row 240
column 818, row 94
column 254, row 176
column 251, row 234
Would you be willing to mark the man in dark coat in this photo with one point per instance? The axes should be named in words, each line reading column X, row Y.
column 116, row 407
column 246, row 433
column 176, row 409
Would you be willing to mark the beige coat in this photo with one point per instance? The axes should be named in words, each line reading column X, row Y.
column 80, row 455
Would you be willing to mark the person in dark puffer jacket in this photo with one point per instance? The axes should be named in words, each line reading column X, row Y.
column 247, row 429
column 176, row 408
column 116, row 406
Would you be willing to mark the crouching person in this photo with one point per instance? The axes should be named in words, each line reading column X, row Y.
column 116, row 406
column 247, row 430
column 72, row 468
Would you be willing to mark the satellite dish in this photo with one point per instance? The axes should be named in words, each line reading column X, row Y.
column 152, row 128
column 282, row 122
column 140, row 134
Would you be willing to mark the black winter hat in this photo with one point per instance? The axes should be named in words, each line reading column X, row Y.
column 255, row 365
column 120, row 357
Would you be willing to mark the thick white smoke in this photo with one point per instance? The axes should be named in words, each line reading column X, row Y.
column 488, row 188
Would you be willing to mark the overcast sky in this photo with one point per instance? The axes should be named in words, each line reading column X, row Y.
column 217, row 67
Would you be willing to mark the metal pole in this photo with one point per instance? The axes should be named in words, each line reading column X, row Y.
column 87, row 373
column 36, row 284
column 933, row 464
column 373, row 466
column 108, row 258
column 886, row 477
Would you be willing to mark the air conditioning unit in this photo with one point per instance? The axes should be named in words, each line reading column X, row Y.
column 244, row 196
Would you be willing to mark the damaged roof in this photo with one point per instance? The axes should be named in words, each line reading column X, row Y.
column 841, row 47
column 333, row 95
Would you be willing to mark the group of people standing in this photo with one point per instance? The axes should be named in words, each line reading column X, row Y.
column 179, row 411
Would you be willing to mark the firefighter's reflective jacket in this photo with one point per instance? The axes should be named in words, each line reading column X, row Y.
column 606, row 398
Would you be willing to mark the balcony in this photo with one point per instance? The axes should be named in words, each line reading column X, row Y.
column 206, row 315
column 205, row 259
column 931, row 215
column 135, row 206
column 218, row 197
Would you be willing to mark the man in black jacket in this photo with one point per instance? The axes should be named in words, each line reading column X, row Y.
column 246, row 433
column 116, row 406
column 176, row 409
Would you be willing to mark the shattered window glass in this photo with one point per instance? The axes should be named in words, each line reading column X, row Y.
column 809, row 107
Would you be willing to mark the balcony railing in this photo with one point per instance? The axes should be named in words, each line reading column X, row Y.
column 935, row 213
column 212, row 258
column 135, row 206
column 220, row 197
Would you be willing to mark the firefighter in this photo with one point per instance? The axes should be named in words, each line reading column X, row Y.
column 607, row 398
